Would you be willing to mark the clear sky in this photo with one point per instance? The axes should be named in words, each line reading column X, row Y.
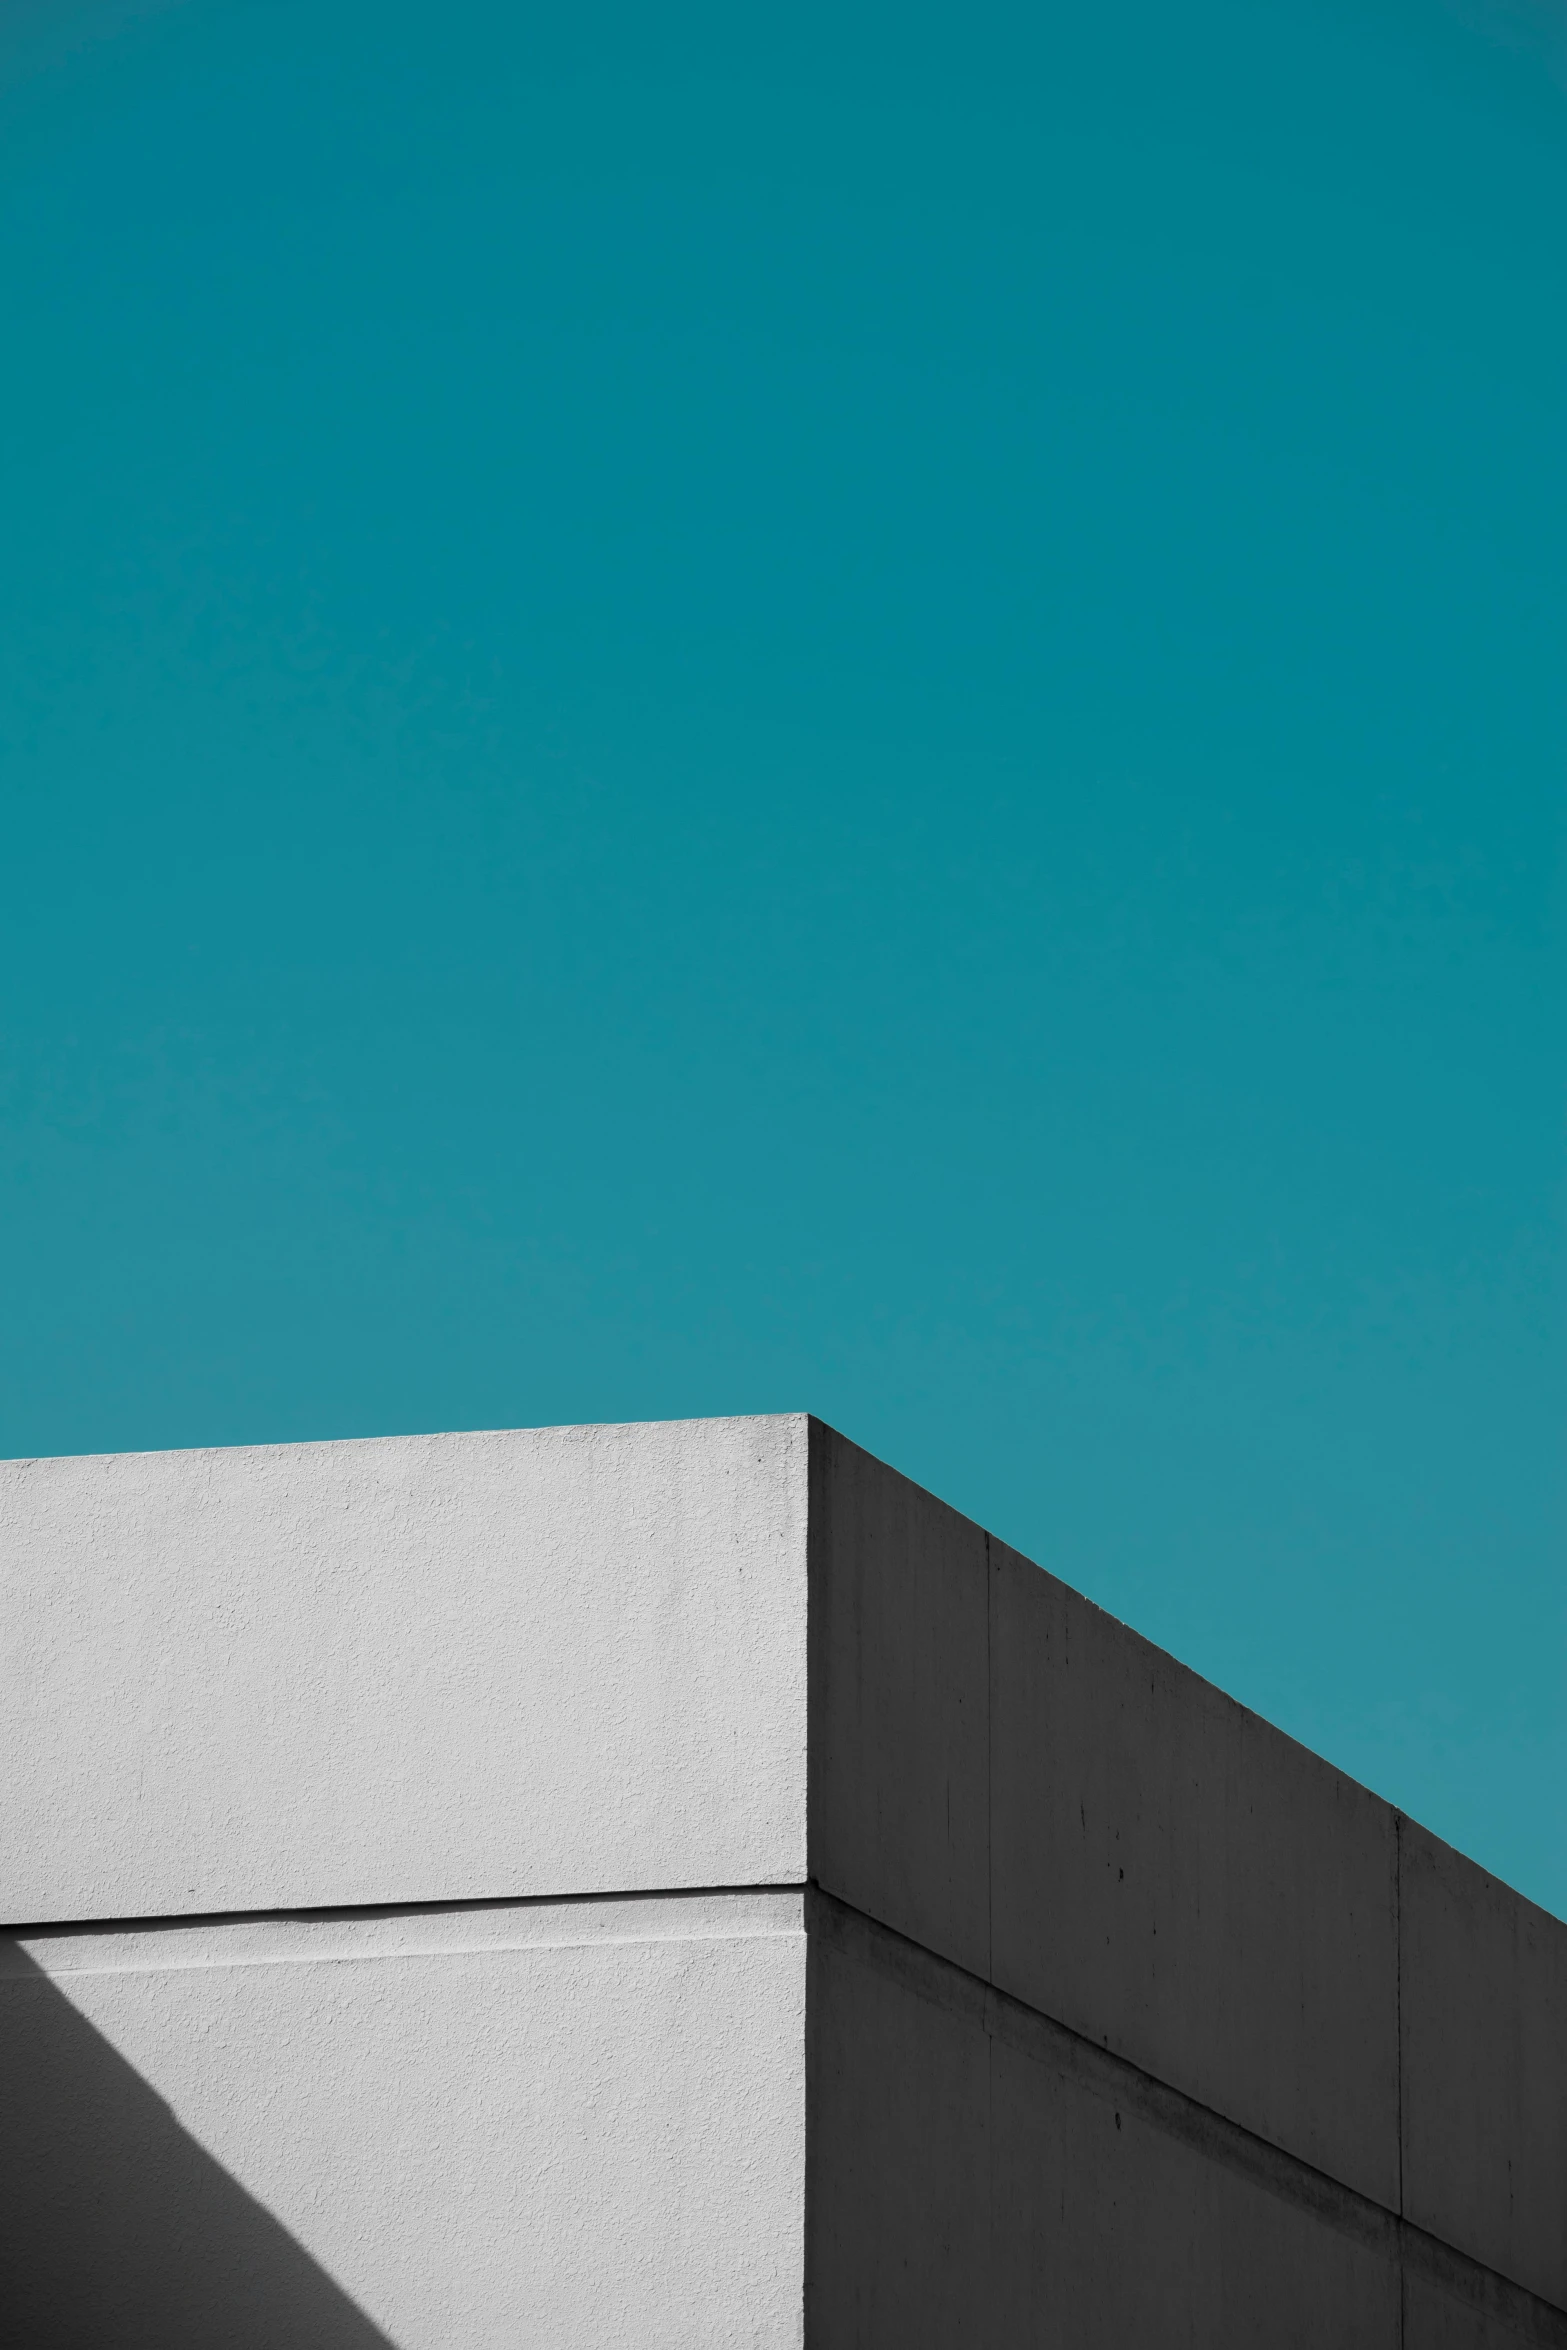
column 851, row 708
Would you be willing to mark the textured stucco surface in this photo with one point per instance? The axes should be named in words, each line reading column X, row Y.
column 421, row 1668
column 565, row 2124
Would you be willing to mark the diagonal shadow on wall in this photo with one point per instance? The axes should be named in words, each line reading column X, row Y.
column 117, row 2230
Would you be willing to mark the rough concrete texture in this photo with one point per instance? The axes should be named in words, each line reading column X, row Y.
column 1106, row 2231
column 569, row 2124
column 980, row 2174
column 1178, row 1881
column 968, row 2189
column 899, row 1658
column 1127, row 2019
column 1484, row 2016
column 1476, row 2312
column 1047, row 1801
column 1010, row 1777
column 416, row 1669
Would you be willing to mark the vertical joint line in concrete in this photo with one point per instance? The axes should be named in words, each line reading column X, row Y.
column 990, row 1940
column 1398, row 2050
column 990, row 1747
column 1398, row 1988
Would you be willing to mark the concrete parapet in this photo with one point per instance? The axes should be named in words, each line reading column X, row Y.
column 1178, row 1881
column 434, row 1668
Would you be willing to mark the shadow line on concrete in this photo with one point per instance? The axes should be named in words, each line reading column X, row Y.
column 119, row 2227
column 1123, row 2085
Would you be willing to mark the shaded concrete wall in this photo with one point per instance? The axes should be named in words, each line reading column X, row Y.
column 1325, row 2094
column 979, row 2174
column 1483, row 2003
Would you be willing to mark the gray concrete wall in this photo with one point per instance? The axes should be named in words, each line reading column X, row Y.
column 980, row 2175
column 1483, row 2004
column 1057, row 1819
column 899, row 1720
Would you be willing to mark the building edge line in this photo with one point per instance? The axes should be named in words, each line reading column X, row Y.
column 345, row 1913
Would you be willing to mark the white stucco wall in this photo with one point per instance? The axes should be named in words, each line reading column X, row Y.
column 557, row 2124
column 427, row 1668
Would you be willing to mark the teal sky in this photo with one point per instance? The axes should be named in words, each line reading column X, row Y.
column 850, row 708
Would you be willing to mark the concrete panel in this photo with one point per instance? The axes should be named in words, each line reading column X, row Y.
column 898, row 2157
column 899, row 1795
column 425, row 1668
column 1107, row 2231
column 568, row 2124
column 1475, row 2312
column 1484, row 2014
column 1182, row 1884
column 975, row 2175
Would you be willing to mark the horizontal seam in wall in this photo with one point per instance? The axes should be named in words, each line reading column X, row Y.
column 1114, row 2080
column 220, row 1962
column 176, row 1921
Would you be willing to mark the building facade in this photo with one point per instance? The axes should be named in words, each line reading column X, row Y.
column 682, row 1884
